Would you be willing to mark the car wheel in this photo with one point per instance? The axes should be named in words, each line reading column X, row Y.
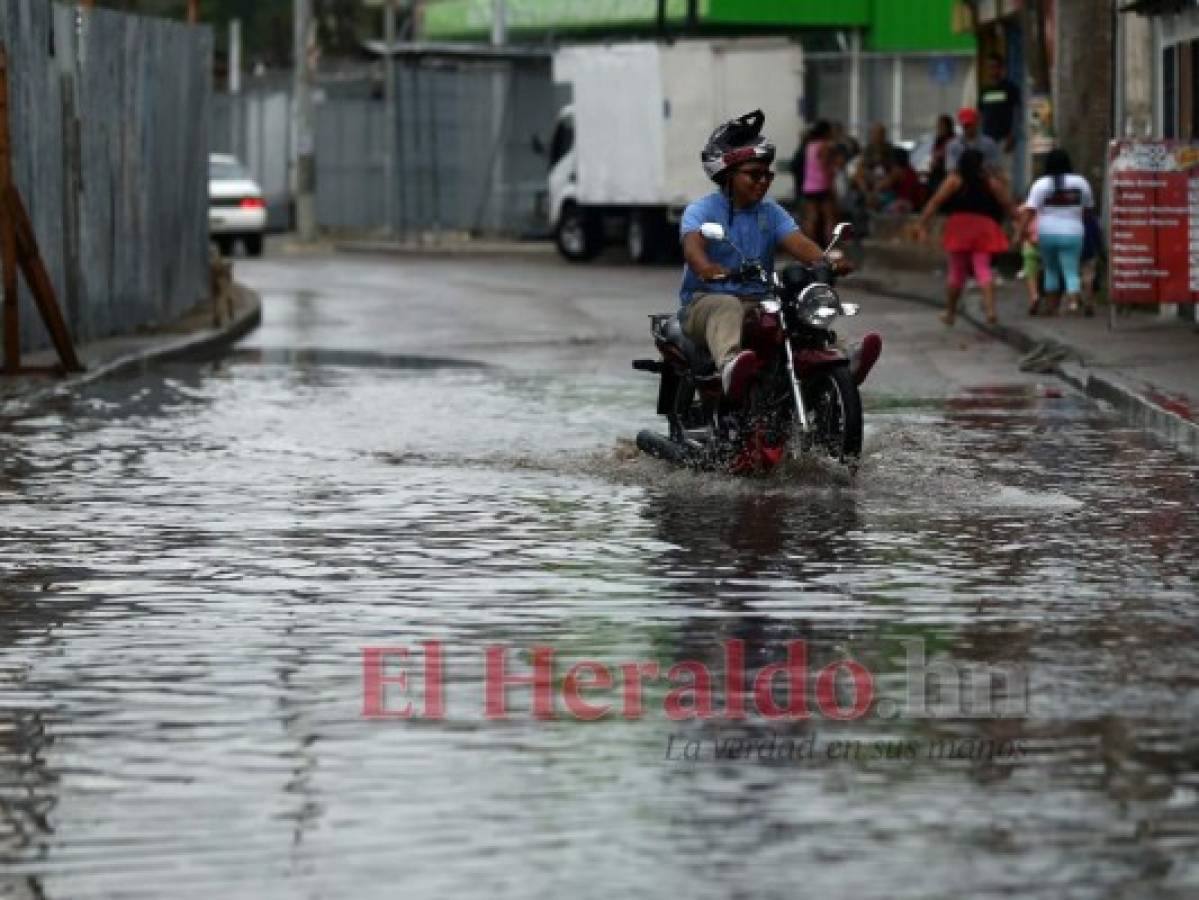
column 225, row 245
column 253, row 244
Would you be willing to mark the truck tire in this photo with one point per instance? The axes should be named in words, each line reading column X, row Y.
column 643, row 237
column 577, row 234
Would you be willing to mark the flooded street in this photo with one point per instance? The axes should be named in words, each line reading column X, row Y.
column 195, row 558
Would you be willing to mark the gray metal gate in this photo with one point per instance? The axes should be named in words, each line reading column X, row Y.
column 463, row 152
column 463, row 158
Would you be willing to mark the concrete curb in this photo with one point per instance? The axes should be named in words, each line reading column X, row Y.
column 1129, row 402
column 204, row 344
column 449, row 248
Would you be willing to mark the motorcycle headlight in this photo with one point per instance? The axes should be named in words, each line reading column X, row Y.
column 819, row 305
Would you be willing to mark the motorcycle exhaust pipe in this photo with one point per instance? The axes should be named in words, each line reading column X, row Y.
column 653, row 444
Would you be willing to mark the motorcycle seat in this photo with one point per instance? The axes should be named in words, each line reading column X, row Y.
column 699, row 358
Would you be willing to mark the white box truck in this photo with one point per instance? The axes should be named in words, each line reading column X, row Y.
column 624, row 156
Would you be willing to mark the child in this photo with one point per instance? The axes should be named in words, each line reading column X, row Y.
column 1032, row 261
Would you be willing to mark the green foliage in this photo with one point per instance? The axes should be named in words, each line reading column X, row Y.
column 267, row 24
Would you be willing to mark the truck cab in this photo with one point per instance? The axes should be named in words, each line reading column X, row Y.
column 574, row 233
column 624, row 155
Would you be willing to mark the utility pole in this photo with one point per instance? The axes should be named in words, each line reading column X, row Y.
column 389, row 118
column 499, row 23
column 497, row 174
column 304, row 175
column 235, row 56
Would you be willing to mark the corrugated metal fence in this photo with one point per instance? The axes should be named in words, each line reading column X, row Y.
column 463, row 150
column 256, row 127
column 109, row 118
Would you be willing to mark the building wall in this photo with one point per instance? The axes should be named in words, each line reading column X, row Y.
column 927, row 87
column 1135, row 79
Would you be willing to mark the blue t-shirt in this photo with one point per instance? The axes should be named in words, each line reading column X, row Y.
column 756, row 230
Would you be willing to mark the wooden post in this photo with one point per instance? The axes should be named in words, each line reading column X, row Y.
column 38, row 280
column 193, row 11
column 8, row 238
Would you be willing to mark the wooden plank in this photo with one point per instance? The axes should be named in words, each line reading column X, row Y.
column 39, row 281
column 8, row 249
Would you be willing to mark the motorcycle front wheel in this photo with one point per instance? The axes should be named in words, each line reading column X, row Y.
column 835, row 407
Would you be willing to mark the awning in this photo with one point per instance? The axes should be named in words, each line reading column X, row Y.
column 1157, row 7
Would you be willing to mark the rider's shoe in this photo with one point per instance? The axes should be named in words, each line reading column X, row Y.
column 863, row 356
column 737, row 372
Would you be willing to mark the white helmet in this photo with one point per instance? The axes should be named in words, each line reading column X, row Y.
column 736, row 141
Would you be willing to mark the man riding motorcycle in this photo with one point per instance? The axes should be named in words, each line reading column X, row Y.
column 712, row 309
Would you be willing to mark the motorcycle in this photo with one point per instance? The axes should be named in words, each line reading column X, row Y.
column 802, row 398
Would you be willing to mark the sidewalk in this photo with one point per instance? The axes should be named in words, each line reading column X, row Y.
column 1146, row 367
column 447, row 243
column 193, row 335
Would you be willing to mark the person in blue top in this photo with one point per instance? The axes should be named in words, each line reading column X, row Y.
column 712, row 308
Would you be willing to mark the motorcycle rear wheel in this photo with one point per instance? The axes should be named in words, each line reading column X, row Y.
column 835, row 407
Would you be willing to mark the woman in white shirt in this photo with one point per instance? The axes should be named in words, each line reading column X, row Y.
column 1059, row 200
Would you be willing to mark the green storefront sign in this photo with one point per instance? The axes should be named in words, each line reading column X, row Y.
column 889, row 25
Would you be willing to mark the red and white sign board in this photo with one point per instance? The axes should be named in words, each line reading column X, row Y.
column 1154, row 203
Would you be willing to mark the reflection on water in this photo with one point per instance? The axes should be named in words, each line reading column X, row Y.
column 193, row 561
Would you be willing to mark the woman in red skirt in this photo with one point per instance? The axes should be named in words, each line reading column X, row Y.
column 977, row 203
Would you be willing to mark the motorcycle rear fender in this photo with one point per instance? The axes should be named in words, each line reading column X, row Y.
column 809, row 361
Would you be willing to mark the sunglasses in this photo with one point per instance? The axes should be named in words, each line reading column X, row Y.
column 757, row 175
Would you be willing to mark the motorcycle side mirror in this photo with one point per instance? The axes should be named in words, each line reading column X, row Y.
column 843, row 230
column 713, row 231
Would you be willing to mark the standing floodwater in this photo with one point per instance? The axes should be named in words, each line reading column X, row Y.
column 194, row 560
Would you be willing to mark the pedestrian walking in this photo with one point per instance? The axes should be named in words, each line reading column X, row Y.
column 1030, row 256
column 814, row 171
column 977, row 202
column 972, row 138
column 999, row 106
column 1061, row 200
column 938, row 166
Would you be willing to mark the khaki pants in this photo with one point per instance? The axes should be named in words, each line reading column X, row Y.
column 714, row 321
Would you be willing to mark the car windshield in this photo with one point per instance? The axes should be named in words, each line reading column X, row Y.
column 223, row 170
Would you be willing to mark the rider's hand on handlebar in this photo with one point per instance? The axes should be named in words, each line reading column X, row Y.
column 840, row 263
column 712, row 272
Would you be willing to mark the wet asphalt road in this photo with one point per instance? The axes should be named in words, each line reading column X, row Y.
column 417, row 450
